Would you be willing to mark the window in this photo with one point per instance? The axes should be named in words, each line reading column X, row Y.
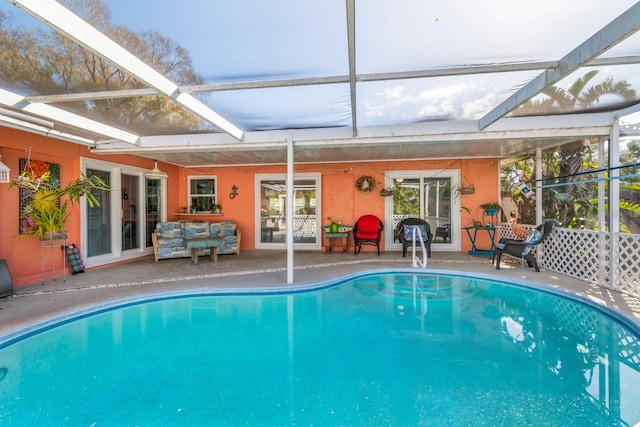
column 202, row 193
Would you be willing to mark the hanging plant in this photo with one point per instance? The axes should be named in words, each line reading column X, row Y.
column 365, row 183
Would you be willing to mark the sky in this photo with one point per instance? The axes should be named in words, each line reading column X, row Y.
column 240, row 40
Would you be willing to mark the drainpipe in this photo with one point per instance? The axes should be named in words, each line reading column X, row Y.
column 290, row 207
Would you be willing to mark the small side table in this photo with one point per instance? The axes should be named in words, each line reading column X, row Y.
column 328, row 236
column 195, row 243
column 491, row 231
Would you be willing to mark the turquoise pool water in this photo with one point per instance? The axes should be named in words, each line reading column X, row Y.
column 392, row 349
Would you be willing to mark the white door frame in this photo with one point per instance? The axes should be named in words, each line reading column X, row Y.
column 257, row 217
column 115, row 216
column 454, row 174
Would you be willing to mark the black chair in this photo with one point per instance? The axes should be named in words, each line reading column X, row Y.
column 442, row 231
column 523, row 249
column 399, row 234
column 367, row 231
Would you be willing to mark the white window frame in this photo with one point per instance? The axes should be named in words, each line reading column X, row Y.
column 191, row 178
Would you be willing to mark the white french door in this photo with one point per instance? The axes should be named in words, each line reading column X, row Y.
column 271, row 218
column 429, row 195
column 121, row 227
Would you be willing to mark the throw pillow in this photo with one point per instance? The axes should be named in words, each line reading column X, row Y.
column 408, row 232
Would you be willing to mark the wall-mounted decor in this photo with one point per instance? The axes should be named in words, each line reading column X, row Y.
column 467, row 190
column 35, row 170
column 365, row 183
column 234, row 192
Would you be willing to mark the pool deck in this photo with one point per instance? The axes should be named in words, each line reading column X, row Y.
column 38, row 302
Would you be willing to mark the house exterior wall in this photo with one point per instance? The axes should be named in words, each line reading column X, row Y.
column 340, row 198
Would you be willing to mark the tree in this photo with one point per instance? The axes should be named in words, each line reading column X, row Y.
column 42, row 62
column 572, row 202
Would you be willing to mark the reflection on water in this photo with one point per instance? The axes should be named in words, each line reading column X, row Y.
column 571, row 342
column 378, row 350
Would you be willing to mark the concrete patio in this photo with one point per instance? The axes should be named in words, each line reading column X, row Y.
column 41, row 301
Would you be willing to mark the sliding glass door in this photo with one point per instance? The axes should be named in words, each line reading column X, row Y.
column 98, row 218
column 428, row 195
column 121, row 226
column 271, row 218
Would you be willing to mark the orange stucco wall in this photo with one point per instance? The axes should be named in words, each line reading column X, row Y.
column 23, row 254
column 340, row 198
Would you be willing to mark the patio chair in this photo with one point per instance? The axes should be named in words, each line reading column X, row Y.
column 367, row 231
column 426, row 234
column 443, row 232
column 523, row 249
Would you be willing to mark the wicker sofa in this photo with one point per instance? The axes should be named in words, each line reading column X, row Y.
column 168, row 239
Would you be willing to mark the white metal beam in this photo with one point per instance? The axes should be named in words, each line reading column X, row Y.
column 289, row 213
column 311, row 81
column 613, row 33
column 351, row 43
column 565, row 126
column 67, row 23
column 54, row 114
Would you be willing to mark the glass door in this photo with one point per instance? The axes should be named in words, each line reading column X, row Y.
column 271, row 218
column 130, row 208
column 154, row 204
column 98, row 218
column 427, row 195
column 120, row 228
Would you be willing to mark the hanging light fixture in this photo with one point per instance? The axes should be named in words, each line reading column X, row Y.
column 155, row 173
column 4, row 173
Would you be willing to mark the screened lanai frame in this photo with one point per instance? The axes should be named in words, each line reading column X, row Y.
column 338, row 80
column 363, row 66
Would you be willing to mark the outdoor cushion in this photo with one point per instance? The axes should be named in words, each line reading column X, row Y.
column 196, row 229
column 170, row 229
column 408, row 232
column 533, row 237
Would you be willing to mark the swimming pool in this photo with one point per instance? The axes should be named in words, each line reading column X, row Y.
column 379, row 348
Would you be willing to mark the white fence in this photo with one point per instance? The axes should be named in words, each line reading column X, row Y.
column 587, row 255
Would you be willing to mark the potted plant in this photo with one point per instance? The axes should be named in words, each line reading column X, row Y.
column 490, row 208
column 216, row 208
column 47, row 214
column 474, row 220
column 334, row 226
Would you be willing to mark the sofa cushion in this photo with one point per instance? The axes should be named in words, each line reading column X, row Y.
column 171, row 242
column 228, row 228
column 169, row 230
column 214, row 228
column 196, row 229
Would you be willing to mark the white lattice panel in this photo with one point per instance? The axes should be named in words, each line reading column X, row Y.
column 629, row 263
column 505, row 230
column 576, row 253
column 585, row 255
